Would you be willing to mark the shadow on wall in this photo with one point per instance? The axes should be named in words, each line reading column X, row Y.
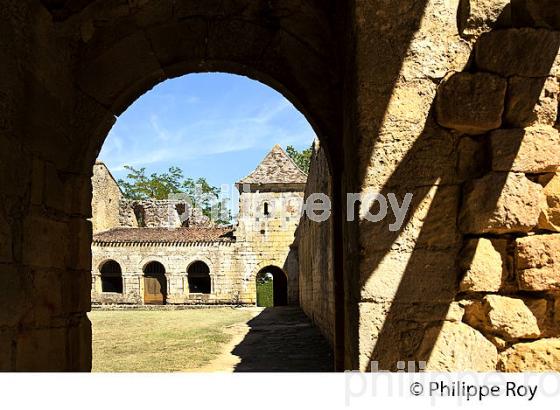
column 282, row 339
column 441, row 170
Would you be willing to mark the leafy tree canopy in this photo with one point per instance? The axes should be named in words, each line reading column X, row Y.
column 139, row 186
column 301, row 158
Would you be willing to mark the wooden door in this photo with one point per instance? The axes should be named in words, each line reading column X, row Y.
column 154, row 290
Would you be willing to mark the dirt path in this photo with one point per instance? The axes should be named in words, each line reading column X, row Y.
column 226, row 360
column 280, row 339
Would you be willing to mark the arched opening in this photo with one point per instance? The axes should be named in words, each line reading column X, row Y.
column 118, row 61
column 198, row 275
column 155, row 284
column 111, row 277
column 272, row 287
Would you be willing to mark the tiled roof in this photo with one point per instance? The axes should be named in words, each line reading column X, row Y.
column 164, row 235
column 276, row 168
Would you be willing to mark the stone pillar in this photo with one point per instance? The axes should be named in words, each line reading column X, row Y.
column 45, row 271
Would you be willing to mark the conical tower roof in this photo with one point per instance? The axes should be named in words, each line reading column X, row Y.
column 276, row 168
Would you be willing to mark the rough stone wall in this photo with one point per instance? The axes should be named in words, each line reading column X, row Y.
column 461, row 116
column 155, row 213
column 315, row 246
column 106, row 199
column 44, row 232
column 510, row 259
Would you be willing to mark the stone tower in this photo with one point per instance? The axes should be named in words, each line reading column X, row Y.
column 270, row 200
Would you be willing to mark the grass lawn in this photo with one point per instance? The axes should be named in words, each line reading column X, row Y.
column 265, row 296
column 160, row 341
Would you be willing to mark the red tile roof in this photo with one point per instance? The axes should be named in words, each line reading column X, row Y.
column 164, row 235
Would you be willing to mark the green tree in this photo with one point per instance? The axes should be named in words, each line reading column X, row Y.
column 139, row 186
column 301, row 158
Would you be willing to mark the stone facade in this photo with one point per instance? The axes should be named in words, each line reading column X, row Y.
column 175, row 235
column 314, row 248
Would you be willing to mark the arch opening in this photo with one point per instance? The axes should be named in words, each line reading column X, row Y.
column 171, row 234
column 272, row 287
column 155, row 284
column 111, row 277
column 198, row 276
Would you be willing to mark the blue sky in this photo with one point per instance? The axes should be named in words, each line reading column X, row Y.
column 217, row 126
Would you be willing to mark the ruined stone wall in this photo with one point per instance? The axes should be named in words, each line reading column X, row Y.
column 462, row 116
column 315, row 246
column 106, row 199
column 154, row 213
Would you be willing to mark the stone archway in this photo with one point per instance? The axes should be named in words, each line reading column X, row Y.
column 111, row 277
column 121, row 59
column 279, row 281
column 155, row 283
column 198, row 277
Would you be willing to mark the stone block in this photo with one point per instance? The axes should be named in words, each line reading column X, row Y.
column 80, row 232
column 539, row 308
column 37, row 181
column 47, row 296
column 532, row 150
column 501, row 203
column 540, row 356
column 79, row 346
column 471, row 103
column 536, row 13
column 6, row 252
column 392, row 331
column 396, row 276
column 45, row 242
column 505, row 317
column 54, row 191
column 523, row 52
column 473, row 159
column 454, row 347
column 531, row 101
column 78, row 195
column 41, row 350
column 237, row 40
column 550, row 215
column 121, row 74
column 486, row 265
column 178, row 42
column 431, row 223
column 556, row 313
column 6, row 350
column 538, row 262
column 15, row 294
column 478, row 16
